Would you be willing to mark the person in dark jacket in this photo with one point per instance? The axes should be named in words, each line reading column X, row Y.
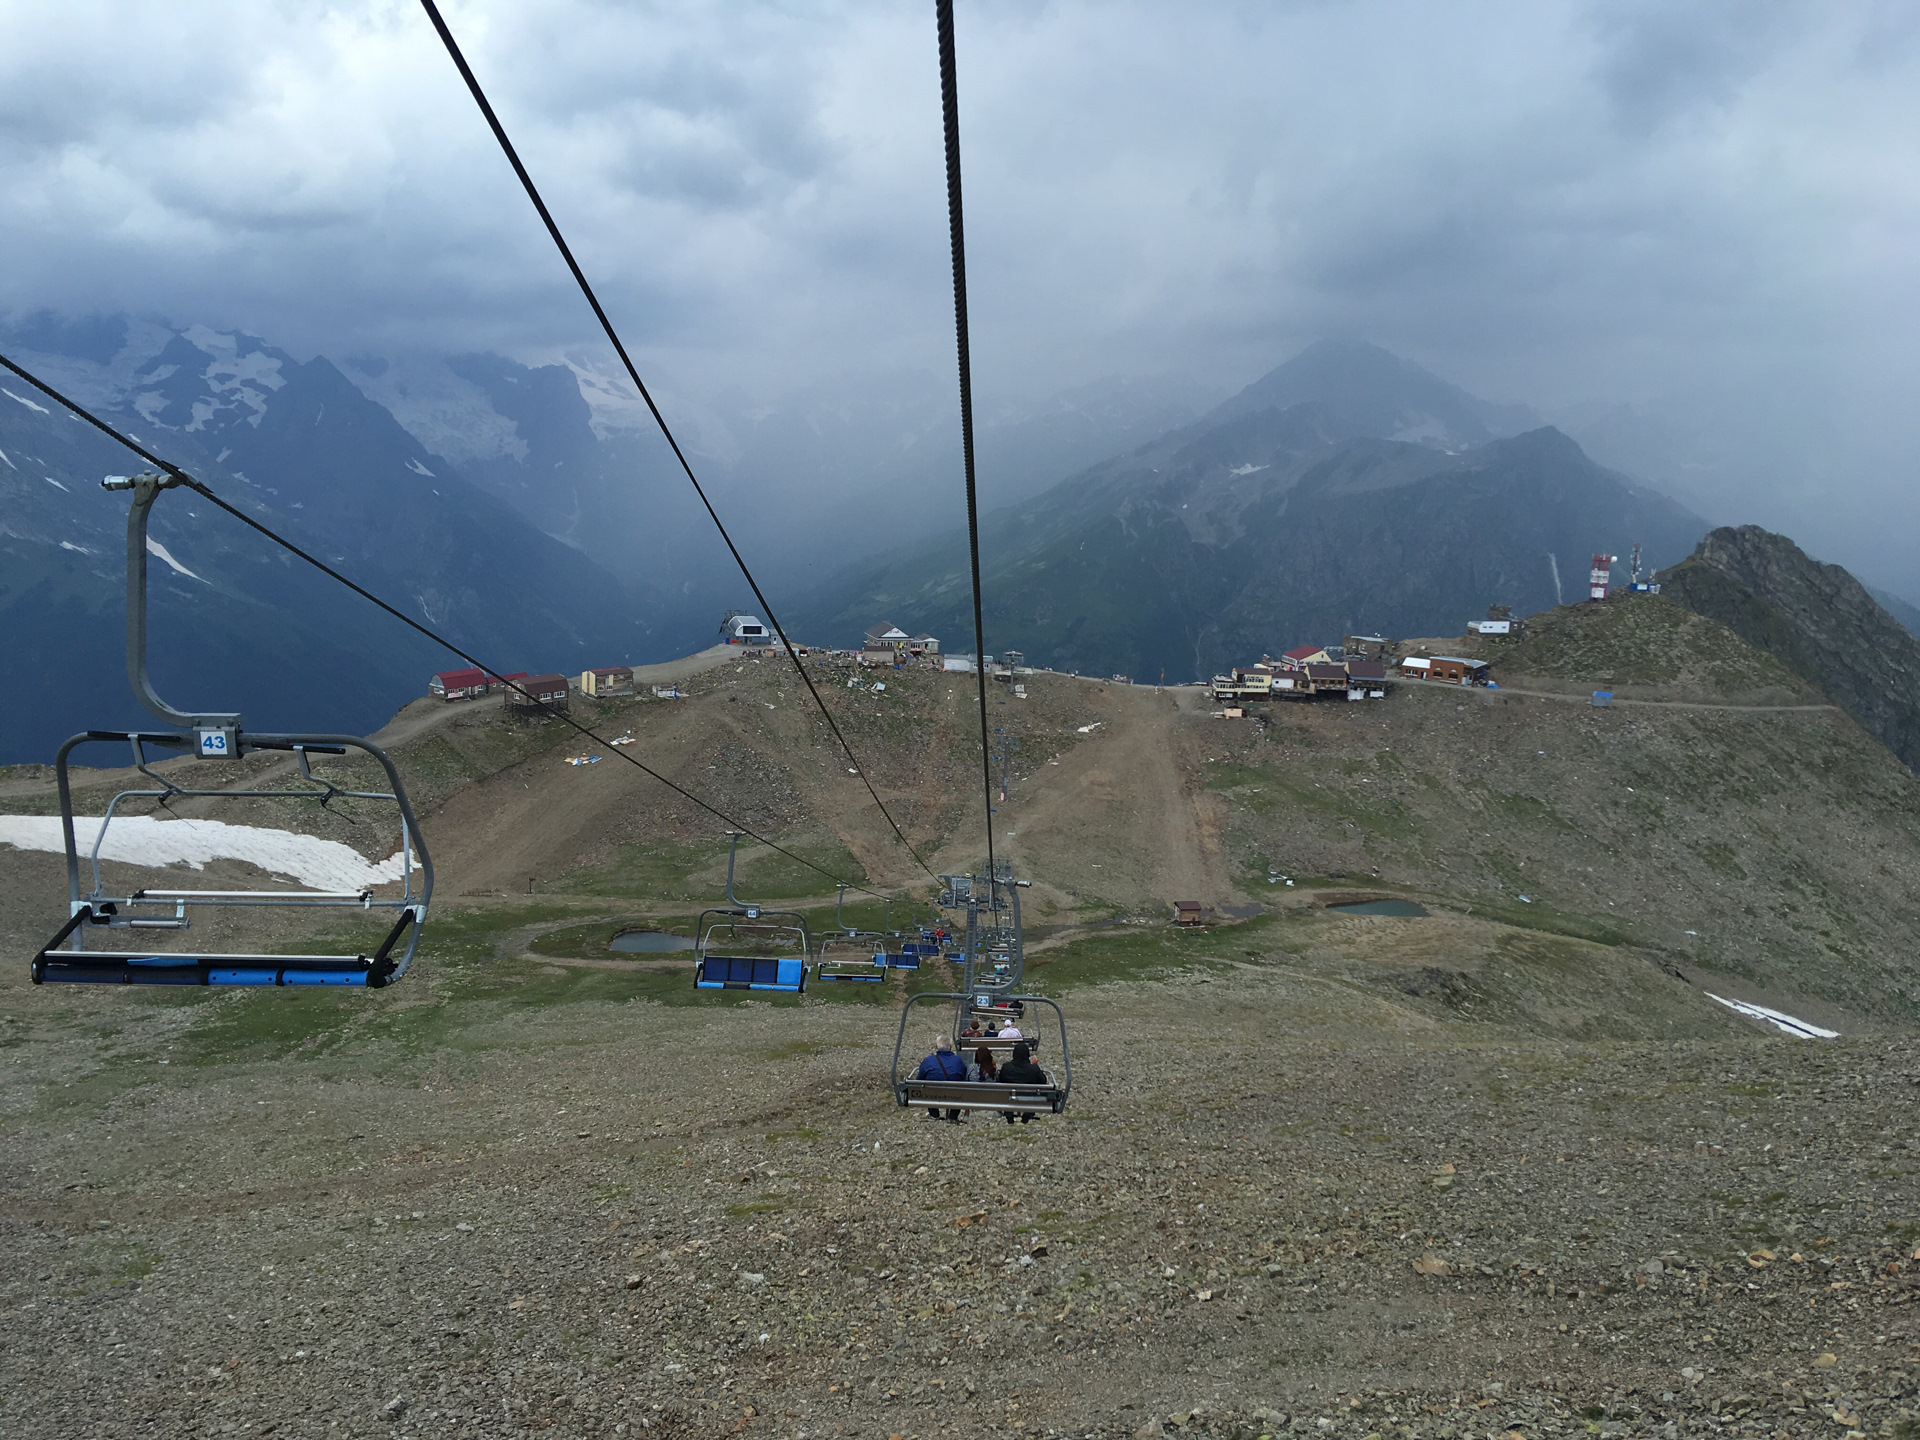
column 942, row 1064
column 1021, row 1070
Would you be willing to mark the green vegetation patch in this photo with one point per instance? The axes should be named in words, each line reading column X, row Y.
column 1130, row 952
column 696, row 871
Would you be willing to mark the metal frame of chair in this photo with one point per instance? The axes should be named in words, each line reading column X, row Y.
column 218, row 736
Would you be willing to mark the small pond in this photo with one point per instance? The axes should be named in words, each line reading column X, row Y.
column 1405, row 909
column 648, row 942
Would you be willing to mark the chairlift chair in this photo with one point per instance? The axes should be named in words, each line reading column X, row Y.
column 745, row 927
column 851, row 957
column 218, row 737
column 911, row 1093
column 722, row 934
column 854, row 955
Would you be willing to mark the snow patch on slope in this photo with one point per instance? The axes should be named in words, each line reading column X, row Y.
column 1779, row 1019
column 143, row 840
column 154, row 547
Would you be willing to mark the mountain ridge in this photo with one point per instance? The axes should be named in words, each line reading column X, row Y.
column 240, row 624
column 1816, row 618
column 1258, row 527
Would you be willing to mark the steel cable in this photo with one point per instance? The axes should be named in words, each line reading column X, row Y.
column 633, row 374
column 956, row 225
column 200, row 488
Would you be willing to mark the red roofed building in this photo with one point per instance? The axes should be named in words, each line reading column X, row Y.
column 460, row 684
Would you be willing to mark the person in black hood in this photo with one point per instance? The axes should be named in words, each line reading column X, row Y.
column 1021, row 1070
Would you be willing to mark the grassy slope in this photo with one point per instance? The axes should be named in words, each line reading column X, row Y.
column 1648, row 640
column 1784, row 840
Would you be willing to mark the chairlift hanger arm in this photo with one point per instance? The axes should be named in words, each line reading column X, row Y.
column 146, row 488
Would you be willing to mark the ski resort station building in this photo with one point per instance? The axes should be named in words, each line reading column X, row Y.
column 746, row 630
column 607, row 681
column 887, row 644
column 469, row 684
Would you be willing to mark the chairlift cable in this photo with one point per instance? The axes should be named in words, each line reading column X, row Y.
column 200, row 488
column 956, row 224
column 633, row 374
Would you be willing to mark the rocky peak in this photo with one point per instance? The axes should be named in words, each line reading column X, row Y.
column 1817, row 619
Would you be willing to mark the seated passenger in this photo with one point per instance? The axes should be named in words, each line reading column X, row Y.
column 942, row 1064
column 1011, row 1031
column 1021, row 1070
column 973, row 1030
column 980, row 1072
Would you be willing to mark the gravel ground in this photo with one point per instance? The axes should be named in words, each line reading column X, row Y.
column 1275, row 1205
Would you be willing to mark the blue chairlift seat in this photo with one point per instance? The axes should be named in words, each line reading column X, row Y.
column 865, row 972
column 745, row 972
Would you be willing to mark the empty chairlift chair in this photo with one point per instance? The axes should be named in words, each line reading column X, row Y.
column 743, row 947
column 98, row 905
column 854, row 956
column 851, row 959
column 752, row 949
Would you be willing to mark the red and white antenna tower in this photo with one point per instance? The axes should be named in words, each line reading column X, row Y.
column 1600, row 576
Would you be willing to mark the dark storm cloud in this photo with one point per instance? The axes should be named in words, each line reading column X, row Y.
column 1705, row 210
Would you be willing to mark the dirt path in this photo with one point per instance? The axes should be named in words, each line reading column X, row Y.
column 1126, row 781
column 1587, row 699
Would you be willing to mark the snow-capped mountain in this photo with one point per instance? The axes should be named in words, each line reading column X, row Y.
column 239, row 623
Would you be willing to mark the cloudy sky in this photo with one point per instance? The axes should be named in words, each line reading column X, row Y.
column 1707, row 211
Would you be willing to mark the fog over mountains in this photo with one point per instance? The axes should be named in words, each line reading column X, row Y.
column 1347, row 490
column 1134, row 525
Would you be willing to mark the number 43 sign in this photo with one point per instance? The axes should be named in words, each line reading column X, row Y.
column 216, row 743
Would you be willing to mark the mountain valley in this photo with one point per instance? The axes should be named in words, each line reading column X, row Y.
column 1300, row 1194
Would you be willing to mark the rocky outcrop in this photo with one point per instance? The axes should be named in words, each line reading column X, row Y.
column 1816, row 619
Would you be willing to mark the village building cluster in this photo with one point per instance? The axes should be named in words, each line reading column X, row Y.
column 529, row 693
column 888, row 644
column 1350, row 671
column 1361, row 667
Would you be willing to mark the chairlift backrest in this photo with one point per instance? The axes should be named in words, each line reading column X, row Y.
column 747, row 948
